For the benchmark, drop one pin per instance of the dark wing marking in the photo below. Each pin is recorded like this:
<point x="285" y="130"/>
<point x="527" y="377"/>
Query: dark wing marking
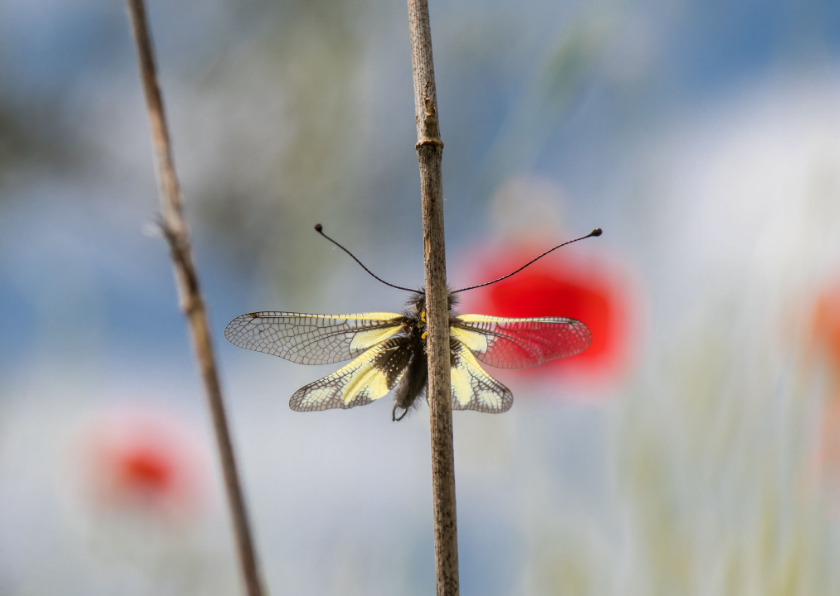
<point x="367" y="378"/>
<point x="520" y="343"/>
<point x="312" y="339"/>
<point x="473" y="388"/>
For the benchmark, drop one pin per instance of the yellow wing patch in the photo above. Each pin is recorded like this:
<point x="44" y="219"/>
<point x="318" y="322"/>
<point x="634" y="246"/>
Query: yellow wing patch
<point x="477" y="342"/>
<point x="359" y="316"/>
<point x="366" y="339"/>
<point x="364" y="380"/>
<point x="474" y="389"/>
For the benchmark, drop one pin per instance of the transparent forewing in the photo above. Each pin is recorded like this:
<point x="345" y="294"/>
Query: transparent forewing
<point x="520" y="343"/>
<point x="312" y="339"/>
<point x="367" y="378"/>
<point x="474" y="389"/>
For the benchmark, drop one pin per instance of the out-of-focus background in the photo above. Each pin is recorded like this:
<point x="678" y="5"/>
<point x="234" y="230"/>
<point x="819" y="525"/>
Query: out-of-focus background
<point x="692" y="450"/>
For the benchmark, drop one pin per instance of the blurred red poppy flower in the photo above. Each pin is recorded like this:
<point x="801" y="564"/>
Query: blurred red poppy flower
<point x="146" y="460"/>
<point x="825" y="328"/>
<point x="824" y="349"/>
<point x="574" y="282"/>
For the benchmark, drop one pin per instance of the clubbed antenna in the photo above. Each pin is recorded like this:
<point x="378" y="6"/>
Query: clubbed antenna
<point x="595" y="232"/>
<point x="320" y="229"/>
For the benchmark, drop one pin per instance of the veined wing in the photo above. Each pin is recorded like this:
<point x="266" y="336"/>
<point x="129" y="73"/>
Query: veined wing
<point x="520" y="343"/>
<point x="474" y="389"/>
<point x="312" y="339"/>
<point x="367" y="378"/>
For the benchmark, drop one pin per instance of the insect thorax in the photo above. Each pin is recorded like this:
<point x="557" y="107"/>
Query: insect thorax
<point x="416" y="305"/>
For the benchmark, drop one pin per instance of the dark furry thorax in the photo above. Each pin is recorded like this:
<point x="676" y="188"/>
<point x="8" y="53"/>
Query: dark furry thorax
<point x="415" y="380"/>
<point x="416" y="305"/>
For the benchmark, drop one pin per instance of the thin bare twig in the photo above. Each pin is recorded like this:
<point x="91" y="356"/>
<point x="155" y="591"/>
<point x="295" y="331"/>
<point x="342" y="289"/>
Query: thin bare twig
<point x="175" y="231"/>
<point x="429" y="150"/>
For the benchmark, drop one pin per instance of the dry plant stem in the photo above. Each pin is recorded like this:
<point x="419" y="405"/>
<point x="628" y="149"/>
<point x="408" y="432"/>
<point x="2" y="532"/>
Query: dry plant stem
<point x="175" y="231"/>
<point x="429" y="150"/>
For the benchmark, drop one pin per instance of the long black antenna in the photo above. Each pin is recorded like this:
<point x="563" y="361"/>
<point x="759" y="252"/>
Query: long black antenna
<point x="320" y="229"/>
<point x="595" y="232"/>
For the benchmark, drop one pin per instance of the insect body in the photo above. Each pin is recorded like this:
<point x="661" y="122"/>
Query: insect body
<point x="388" y="351"/>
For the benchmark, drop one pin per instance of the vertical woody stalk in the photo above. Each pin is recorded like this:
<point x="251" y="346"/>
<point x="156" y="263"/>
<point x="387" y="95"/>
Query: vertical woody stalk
<point x="429" y="149"/>
<point x="175" y="230"/>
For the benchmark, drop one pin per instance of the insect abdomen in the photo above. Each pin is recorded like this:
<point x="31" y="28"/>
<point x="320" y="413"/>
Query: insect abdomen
<point x="413" y="382"/>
